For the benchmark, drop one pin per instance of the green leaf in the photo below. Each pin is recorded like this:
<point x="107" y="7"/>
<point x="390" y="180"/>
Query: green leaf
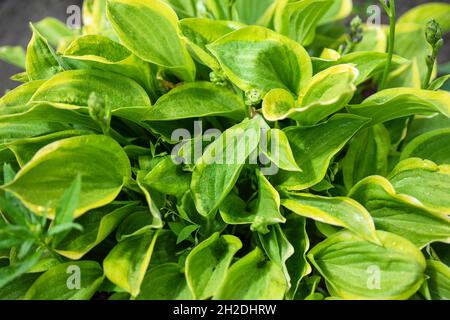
<point x="339" y="10"/>
<point x="438" y="281"/>
<point x="97" y="225"/>
<point x="337" y="211"/>
<point x="367" y="155"/>
<point x="433" y="145"/>
<point x="127" y="263"/>
<point x="165" y="282"/>
<point x="197" y="99"/>
<point x="199" y="32"/>
<point x="425" y="181"/>
<point x="326" y="93"/>
<point x="42" y="181"/>
<point x="149" y="30"/>
<point x="208" y="262"/>
<point x="357" y="269"/>
<point x="254" y="11"/>
<point x="278" y="104"/>
<point x="186" y="233"/>
<point x="67" y="281"/>
<point x="383" y="106"/>
<point x="74" y="88"/>
<point x="421" y="14"/>
<point x="25" y="149"/>
<point x="267" y="281"/>
<point x="314" y="147"/>
<point x="14" y="270"/>
<point x="21" y="95"/>
<point x="135" y="223"/>
<point x="368" y="63"/>
<point x="399" y="213"/>
<point x="100" y="52"/>
<point x="217" y="171"/>
<point x="439" y="82"/>
<point x="277" y="247"/>
<point x="280" y="152"/>
<point x="16" y="290"/>
<point x="42" y="61"/>
<point x="258" y="58"/>
<point x="150" y="198"/>
<point x="297" y="265"/>
<point x="299" y="19"/>
<point x="13" y="55"/>
<point x="54" y="30"/>
<point x="261" y="213"/>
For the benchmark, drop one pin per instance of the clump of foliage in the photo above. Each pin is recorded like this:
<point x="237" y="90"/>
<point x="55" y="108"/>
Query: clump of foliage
<point x="93" y="203"/>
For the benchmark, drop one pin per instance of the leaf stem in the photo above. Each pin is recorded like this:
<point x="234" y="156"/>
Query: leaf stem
<point x="392" y="20"/>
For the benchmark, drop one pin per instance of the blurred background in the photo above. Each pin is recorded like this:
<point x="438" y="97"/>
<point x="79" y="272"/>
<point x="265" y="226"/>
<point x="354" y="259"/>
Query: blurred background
<point x="15" y="15"/>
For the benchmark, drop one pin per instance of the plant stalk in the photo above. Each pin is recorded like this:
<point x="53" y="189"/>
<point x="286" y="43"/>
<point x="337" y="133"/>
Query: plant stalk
<point x="391" y="45"/>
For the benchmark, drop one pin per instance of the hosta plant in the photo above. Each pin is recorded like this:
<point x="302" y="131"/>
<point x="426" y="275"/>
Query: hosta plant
<point x="227" y="149"/>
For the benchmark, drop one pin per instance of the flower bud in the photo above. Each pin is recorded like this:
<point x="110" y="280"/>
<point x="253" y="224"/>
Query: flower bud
<point x="99" y="111"/>
<point x="433" y="33"/>
<point x="253" y="97"/>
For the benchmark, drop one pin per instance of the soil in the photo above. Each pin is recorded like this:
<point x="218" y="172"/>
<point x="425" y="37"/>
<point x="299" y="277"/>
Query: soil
<point x="14" y="30"/>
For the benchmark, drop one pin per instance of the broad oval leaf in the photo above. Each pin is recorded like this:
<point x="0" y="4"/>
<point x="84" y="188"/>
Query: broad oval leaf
<point x="258" y="58"/>
<point x="326" y="93"/>
<point x="314" y="147"/>
<point x="207" y="264"/>
<point x="383" y="106"/>
<point x="337" y="211"/>
<point x="127" y="263"/>
<point x="267" y="281"/>
<point x="357" y="269"/>
<point x="99" y="52"/>
<point x="97" y="225"/>
<point x="367" y="155"/>
<point x="21" y="95"/>
<point x="42" y="61"/>
<point x="197" y="99"/>
<point x="101" y="162"/>
<point x="74" y="88"/>
<point x="261" y="213"/>
<point x="199" y="32"/>
<point x="299" y="19"/>
<point x="425" y="181"/>
<point x="165" y="282"/>
<point x="399" y="213"/>
<point x="433" y="145"/>
<point x="67" y="281"/>
<point x="438" y="280"/>
<point x="149" y="30"/>
<point x="218" y="169"/>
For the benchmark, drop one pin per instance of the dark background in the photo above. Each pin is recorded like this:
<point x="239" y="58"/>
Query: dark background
<point x="15" y="15"/>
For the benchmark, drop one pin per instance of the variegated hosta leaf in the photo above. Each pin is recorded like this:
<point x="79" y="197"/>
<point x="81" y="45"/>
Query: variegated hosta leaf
<point x="258" y="58"/>
<point x="127" y="263"/>
<point x="262" y="212"/>
<point x="267" y="281"/>
<point x="338" y="211"/>
<point x="207" y="264"/>
<point x="101" y="162"/>
<point x="367" y="155"/>
<point x="21" y="95"/>
<point x="74" y="88"/>
<point x="433" y="145"/>
<point x="401" y="214"/>
<point x="149" y="30"/>
<point x="425" y="181"/>
<point x="100" y="52"/>
<point x="218" y="169"/>
<point x="298" y="19"/>
<point x="383" y="106"/>
<point x="438" y="281"/>
<point x="326" y="93"/>
<point x="199" y="32"/>
<point x="354" y="268"/>
<point x="314" y="147"/>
